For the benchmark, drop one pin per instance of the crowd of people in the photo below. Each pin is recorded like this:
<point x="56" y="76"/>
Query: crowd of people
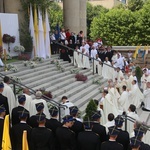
<point x="105" y="130"/>
<point x="45" y="132"/>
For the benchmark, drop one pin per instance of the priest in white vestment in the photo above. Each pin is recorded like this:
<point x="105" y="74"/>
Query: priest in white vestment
<point x="29" y="99"/>
<point x="123" y="101"/>
<point x="78" y="57"/>
<point x="107" y="70"/>
<point x="109" y="106"/>
<point x="129" y="81"/>
<point x="147" y="97"/>
<point x="119" y="62"/>
<point x="110" y="122"/>
<point x="120" y="84"/>
<point x="7" y="92"/>
<point x="115" y="95"/>
<point x="97" y="65"/>
<point x="135" y="95"/>
<point x="93" y="53"/>
<point x="38" y="99"/>
<point x="144" y="79"/>
<point x="85" y="59"/>
<point x="131" y="113"/>
<point x="119" y="74"/>
<point x="67" y="104"/>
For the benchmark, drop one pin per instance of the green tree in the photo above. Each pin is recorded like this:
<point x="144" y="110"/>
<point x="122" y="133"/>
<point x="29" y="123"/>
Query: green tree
<point x="92" y="12"/>
<point x="55" y="15"/>
<point x="142" y="24"/>
<point x="117" y="27"/>
<point x="135" y="5"/>
<point x="91" y="107"/>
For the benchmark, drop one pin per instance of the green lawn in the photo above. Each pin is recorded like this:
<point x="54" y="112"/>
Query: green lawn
<point x="14" y="59"/>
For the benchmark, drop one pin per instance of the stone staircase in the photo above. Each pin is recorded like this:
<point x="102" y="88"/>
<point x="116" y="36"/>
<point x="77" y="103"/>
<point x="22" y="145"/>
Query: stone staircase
<point x="64" y="83"/>
<point x="60" y="83"/>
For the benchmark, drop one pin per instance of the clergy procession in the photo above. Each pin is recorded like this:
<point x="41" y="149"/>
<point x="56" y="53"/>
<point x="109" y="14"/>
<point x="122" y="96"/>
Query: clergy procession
<point x="28" y="123"/>
<point x="106" y="131"/>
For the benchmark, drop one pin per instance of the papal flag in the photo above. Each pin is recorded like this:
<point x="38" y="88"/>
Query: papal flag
<point x="1" y="42"/>
<point x="41" y="43"/>
<point x="31" y="29"/>
<point x="136" y="52"/>
<point x="6" y="143"/>
<point x="24" y="141"/>
<point x="47" y="37"/>
<point x="36" y="31"/>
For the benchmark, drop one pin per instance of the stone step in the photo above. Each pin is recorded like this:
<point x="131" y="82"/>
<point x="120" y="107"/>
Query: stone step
<point x="72" y="91"/>
<point x="58" y="85"/>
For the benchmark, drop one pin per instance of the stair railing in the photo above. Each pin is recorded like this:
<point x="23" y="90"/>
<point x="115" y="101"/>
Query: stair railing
<point x="93" y="59"/>
<point x="50" y="100"/>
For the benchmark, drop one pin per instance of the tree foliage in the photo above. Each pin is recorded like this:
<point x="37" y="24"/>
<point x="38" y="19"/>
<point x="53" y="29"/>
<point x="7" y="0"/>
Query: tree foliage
<point x="122" y="26"/>
<point x="91" y="107"/>
<point x="135" y="5"/>
<point x="92" y="12"/>
<point x="55" y="15"/>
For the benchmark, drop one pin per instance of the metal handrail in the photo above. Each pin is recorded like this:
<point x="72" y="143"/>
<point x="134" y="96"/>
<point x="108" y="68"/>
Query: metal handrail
<point x="81" y="54"/>
<point x="126" y="117"/>
<point x="50" y="100"/>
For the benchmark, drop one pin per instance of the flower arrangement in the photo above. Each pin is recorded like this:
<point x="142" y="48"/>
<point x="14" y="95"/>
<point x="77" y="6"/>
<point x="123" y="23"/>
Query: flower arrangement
<point x="31" y="64"/>
<point x="17" y="79"/>
<point x="8" y="38"/>
<point x="40" y="59"/>
<point x="81" y="77"/>
<point x="11" y="67"/>
<point x="74" y="71"/>
<point x="19" y="48"/>
<point x="52" y="61"/>
<point x="96" y="81"/>
<point x="1" y="51"/>
<point x="8" y="57"/>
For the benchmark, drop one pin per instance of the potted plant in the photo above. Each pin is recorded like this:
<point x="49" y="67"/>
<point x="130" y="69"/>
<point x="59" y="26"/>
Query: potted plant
<point x="91" y="107"/>
<point x="19" y="49"/>
<point x="8" y="39"/>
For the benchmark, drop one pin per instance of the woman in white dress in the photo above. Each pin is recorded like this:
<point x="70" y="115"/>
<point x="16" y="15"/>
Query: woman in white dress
<point x="78" y="57"/>
<point x="85" y="59"/>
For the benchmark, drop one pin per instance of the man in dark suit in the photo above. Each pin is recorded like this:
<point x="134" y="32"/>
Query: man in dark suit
<point x="112" y="144"/>
<point x="41" y="137"/>
<point x="2" y="115"/>
<point x="123" y="136"/>
<point x="3" y="99"/>
<point x="88" y="140"/>
<point x="97" y="127"/>
<point x="66" y="137"/>
<point x="138" y="134"/>
<point x="33" y="119"/>
<point x="78" y="125"/>
<point x="15" y="114"/>
<point x="18" y="129"/>
<point x="53" y="123"/>
<point x="135" y="144"/>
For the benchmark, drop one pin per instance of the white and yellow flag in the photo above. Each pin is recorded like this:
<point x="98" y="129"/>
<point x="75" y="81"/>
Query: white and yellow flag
<point x="6" y="143"/>
<point x="25" y="141"/>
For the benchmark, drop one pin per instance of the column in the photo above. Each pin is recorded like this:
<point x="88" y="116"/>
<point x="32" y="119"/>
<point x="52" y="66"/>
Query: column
<point x="82" y="15"/>
<point x="71" y="11"/>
